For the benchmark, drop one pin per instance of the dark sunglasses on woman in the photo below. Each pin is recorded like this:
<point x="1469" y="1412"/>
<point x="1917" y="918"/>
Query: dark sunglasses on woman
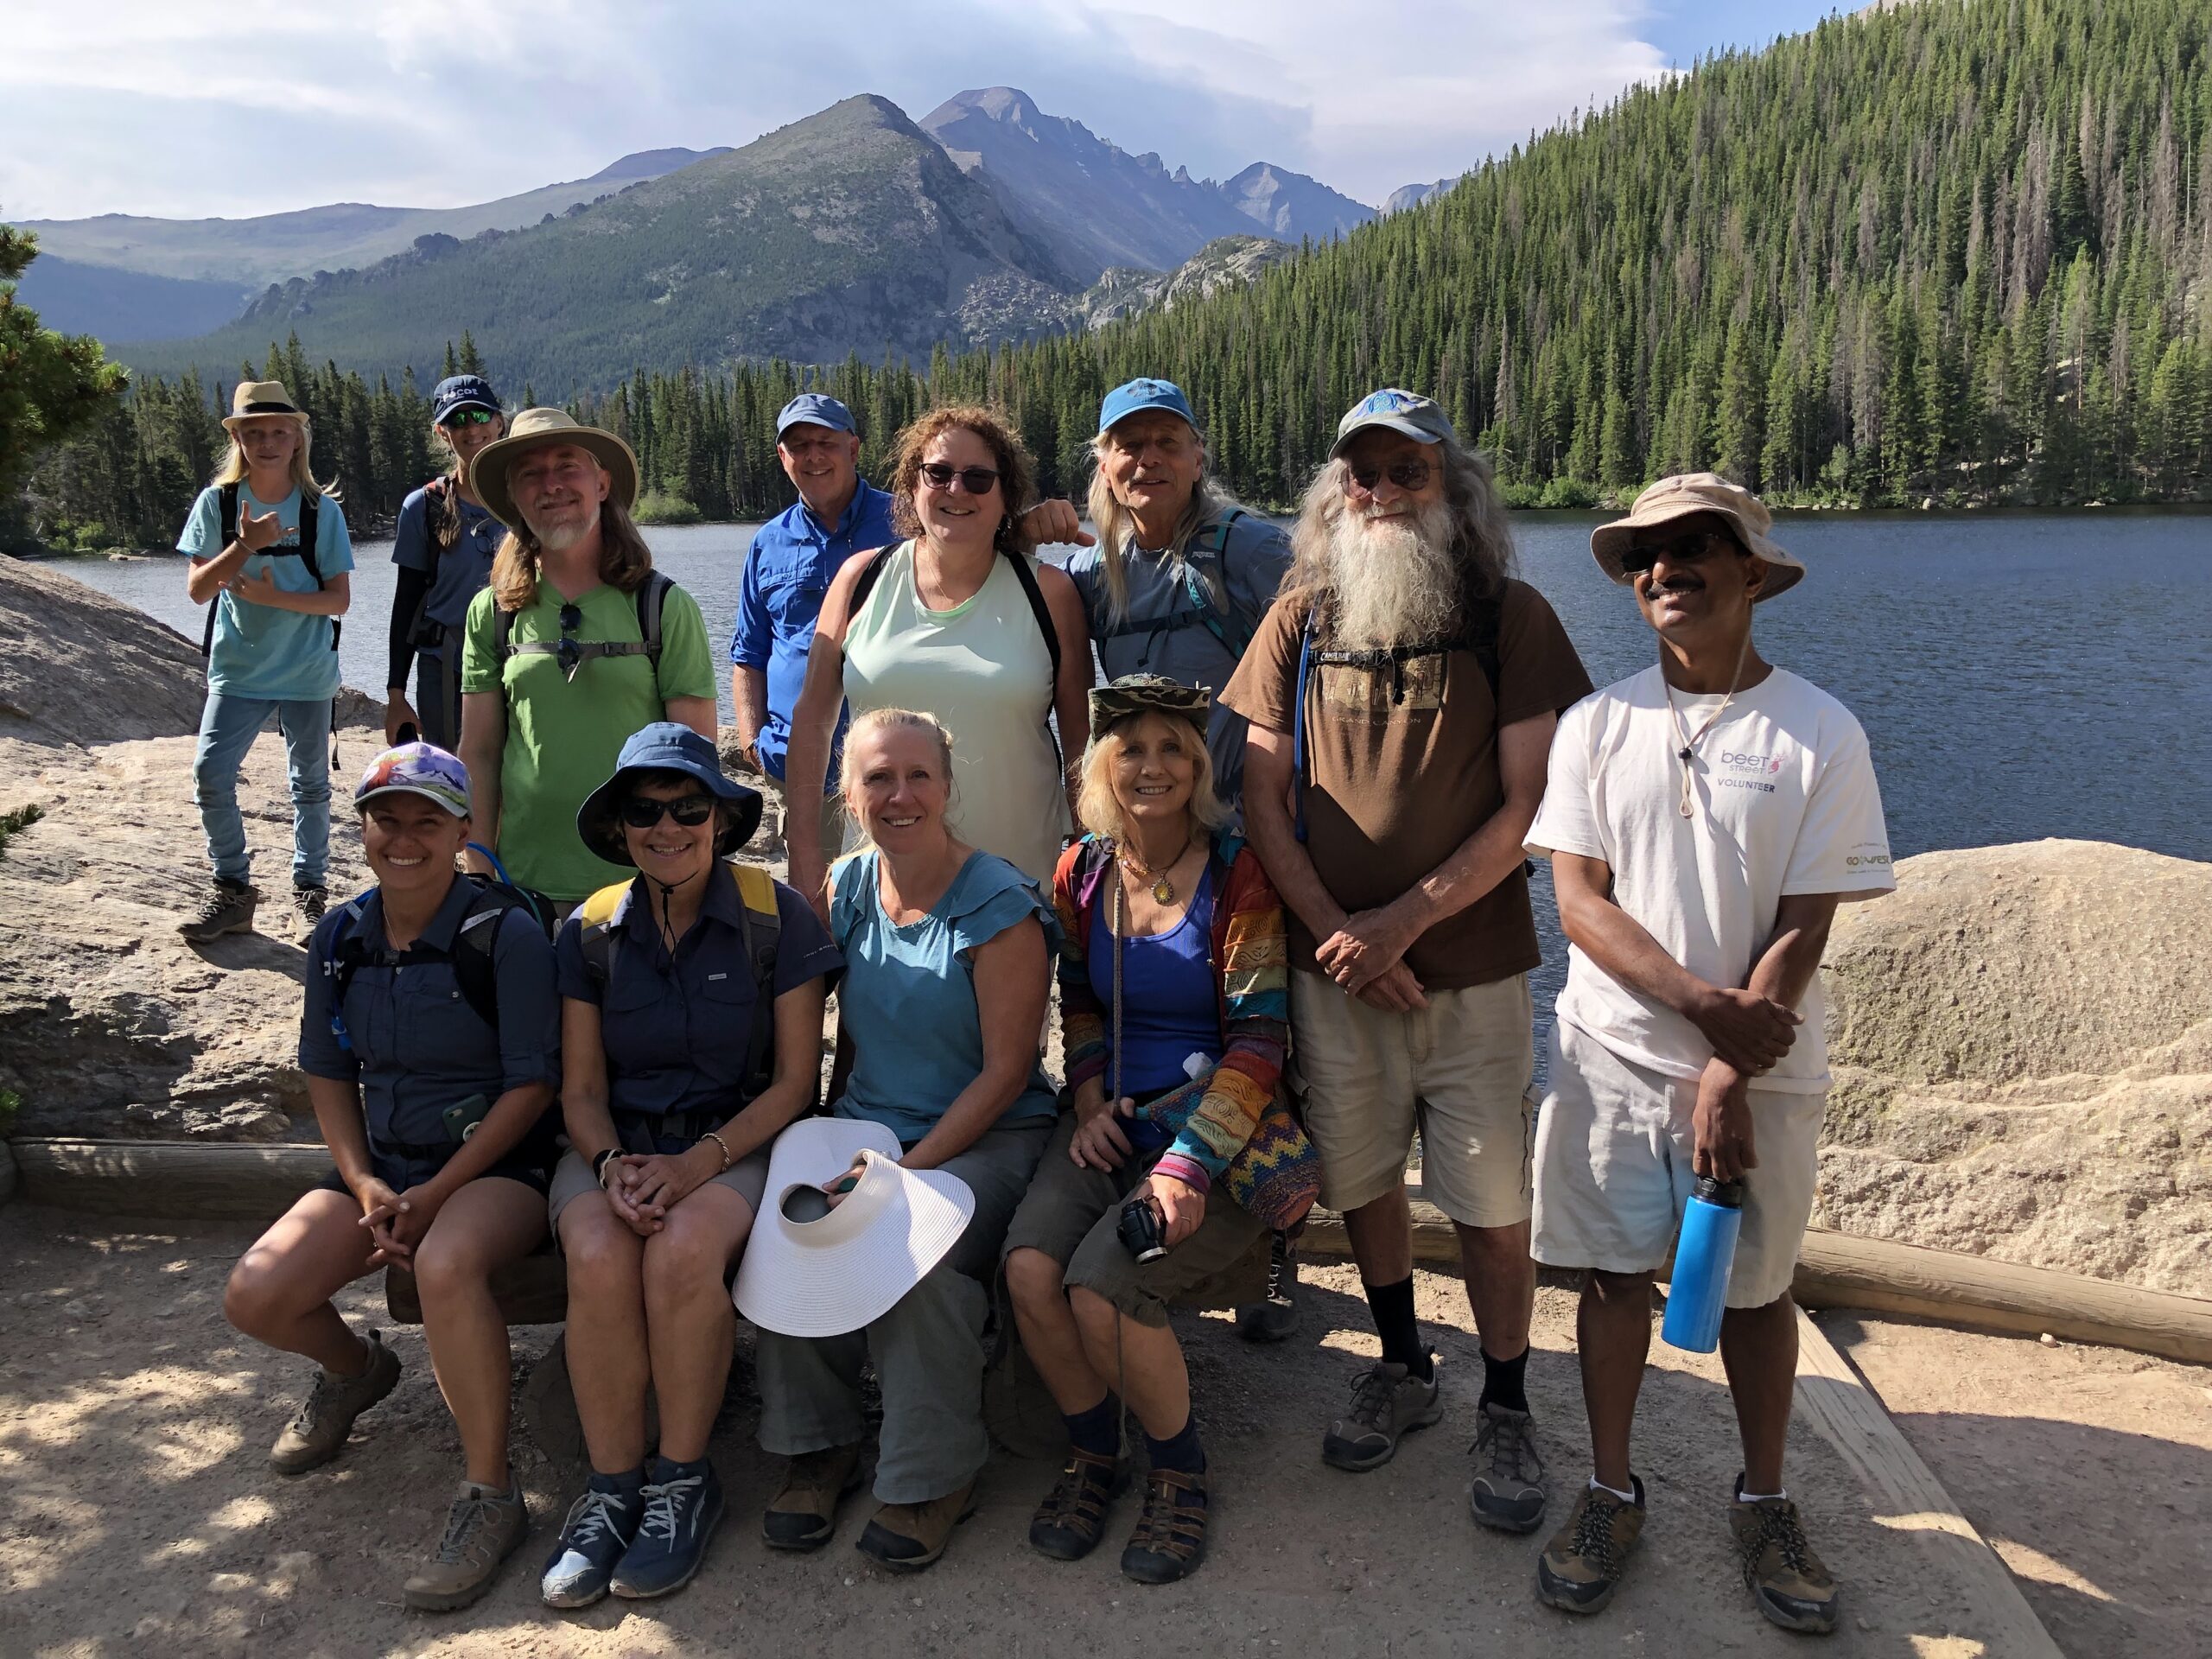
<point x="976" y="480"/>
<point x="1405" y="474"/>
<point x="642" y="811"/>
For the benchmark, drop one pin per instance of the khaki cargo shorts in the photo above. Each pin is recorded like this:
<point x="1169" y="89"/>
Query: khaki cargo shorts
<point x="1458" y="1070"/>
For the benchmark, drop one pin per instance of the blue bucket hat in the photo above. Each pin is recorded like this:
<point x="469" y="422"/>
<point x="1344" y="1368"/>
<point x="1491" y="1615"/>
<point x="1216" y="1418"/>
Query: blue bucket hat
<point x="1127" y="400"/>
<point x="459" y="391"/>
<point x="815" y="409"/>
<point x="1418" y="417"/>
<point x="666" y="747"/>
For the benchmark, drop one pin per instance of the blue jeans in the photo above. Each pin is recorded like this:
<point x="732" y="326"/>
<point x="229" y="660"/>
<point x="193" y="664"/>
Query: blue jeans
<point x="227" y="728"/>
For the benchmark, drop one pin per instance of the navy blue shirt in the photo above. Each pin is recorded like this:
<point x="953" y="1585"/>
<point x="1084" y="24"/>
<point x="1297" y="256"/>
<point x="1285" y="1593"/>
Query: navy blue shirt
<point x="418" y="1047"/>
<point x="678" y="1032"/>
<point x="464" y="568"/>
<point x="789" y="569"/>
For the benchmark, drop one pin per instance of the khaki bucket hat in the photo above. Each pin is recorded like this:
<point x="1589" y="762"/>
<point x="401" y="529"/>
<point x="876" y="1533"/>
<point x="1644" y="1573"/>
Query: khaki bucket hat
<point x="487" y="473"/>
<point x="253" y="399"/>
<point x="1693" y="492"/>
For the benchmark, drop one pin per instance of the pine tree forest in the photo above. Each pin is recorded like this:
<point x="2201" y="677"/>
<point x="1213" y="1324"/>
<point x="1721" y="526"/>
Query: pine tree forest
<point x="1957" y="252"/>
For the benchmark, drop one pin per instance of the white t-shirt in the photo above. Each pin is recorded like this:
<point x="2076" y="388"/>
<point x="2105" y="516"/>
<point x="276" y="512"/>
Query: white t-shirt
<point x="1784" y="802"/>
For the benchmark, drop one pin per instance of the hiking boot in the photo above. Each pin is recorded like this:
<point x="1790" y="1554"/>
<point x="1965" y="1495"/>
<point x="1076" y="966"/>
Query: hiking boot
<point x="910" y="1537"/>
<point x="1170" y="1536"/>
<point x="1273" y="1319"/>
<point x="680" y="1514"/>
<point x="602" y="1525"/>
<point x="1508" y="1491"/>
<point x="1787" y="1579"/>
<point x="1387" y="1401"/>
<point x="318" y="1430"/>
<point x="227" y="909"/>
<point x="1068" y="1523"/>
<point x="805" y="1513"/>
<point x="1582" y="1566"/>
<point x="482" y="1529"/>
<point x="308" y="903"/>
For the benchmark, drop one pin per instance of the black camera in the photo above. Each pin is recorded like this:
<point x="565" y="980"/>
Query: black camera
<point x="1140" y="1231"/>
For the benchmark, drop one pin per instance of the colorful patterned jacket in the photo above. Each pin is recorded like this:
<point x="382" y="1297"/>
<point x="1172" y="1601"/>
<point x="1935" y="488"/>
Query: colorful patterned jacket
<point x="1250" y="957"/>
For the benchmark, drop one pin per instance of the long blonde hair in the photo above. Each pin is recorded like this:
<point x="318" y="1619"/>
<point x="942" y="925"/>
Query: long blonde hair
<point x="875" y="719"/>
<point x="1116" y="525"/>
<point x="1100" y="809"/>
<point x="234" y="470"/>
<point x="624" y="560"/>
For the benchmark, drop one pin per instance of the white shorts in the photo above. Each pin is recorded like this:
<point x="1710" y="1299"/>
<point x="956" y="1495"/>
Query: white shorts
<point x="1614" y="1170"/>
<point x="1458" y="1069"/>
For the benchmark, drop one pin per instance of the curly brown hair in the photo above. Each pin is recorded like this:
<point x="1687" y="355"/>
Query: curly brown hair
<point x="1017" y="473"/>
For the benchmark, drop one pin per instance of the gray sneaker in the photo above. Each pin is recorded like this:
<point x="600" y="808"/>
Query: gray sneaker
<point x="228" y="908"/>
<point x="318" y="1431"/>
<point x="1387" y="1401"/>
<point x="309" y="904"/>
<point x="482" y="1529"/>
<point x="1508" y="1491"/>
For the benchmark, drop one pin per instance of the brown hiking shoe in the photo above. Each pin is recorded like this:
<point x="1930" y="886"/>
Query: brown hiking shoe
<point x="228" y="908"/>
<point x="1508" y="1490"/>
<point x="482" y="1529"/>
<point x="1582" y="1566"/>
<point x="910" y="1537"/>
<point x="1787" y="1580"/>
<point x="317" y="1433"/>
<point x="805" y="1513"/>
<point x="1387" y="1401"/>
<point x="1067" y="1525"/>
<point x="1170" y="1536"/>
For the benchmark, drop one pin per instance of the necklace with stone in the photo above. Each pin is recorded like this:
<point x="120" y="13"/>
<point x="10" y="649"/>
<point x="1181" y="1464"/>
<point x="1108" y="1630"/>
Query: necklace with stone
<point x="1687" y="753"/>
<point x="1163" y="890"/>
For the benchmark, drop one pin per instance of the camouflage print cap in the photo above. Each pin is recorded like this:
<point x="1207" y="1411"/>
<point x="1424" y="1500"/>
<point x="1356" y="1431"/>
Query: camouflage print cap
<point x="1148" y="694"/>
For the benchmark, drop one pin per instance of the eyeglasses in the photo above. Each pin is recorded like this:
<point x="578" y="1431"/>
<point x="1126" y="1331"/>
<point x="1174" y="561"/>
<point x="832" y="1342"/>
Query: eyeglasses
<point x="1690" y="547"/>
<point x="976" y="480"/>
<point x="1405" y="474"/>
<point x="469" y="418"/>
<point x="642" y="811"/>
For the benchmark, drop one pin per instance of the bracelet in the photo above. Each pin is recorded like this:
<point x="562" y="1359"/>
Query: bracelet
<point x="724" y="1145"/>
<point x="599" y="1166"/>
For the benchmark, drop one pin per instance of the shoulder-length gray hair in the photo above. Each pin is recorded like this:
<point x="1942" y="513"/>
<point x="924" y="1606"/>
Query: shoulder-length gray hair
<point x="1116" y="525"/>
<point x="1481" y="534"/>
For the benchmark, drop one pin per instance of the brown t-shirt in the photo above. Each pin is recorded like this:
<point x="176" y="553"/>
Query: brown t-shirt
<point x="1401" y="766"/>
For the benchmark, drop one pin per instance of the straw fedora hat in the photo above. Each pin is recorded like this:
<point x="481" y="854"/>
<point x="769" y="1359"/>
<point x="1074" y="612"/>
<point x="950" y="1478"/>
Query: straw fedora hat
<point x="252" y="399"/>
<point x="1692" y="492"/>
<point x="812" y="1272"/>
<point x="487" y="473"/>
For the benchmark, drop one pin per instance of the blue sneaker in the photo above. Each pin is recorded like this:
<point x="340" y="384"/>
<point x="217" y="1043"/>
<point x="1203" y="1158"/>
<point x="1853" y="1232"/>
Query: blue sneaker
<point x="600" y="1525"/>
<point x="682" y="1507"/>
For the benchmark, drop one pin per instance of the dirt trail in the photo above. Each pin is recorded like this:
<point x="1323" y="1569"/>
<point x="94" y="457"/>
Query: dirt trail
<point x="137" y="1515"/>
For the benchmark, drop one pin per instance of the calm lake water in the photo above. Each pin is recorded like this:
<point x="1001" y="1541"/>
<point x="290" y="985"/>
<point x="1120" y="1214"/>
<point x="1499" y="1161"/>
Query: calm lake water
<point x="2019" y="676"/>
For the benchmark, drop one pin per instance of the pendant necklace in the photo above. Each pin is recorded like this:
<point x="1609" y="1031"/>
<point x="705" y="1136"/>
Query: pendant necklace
<point x="1163" y="890"/>
<point x="1688" y="752"/>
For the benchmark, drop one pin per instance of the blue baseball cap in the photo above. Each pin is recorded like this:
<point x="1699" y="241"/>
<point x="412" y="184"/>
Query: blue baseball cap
<point x="1418" y="417"/>
<point x="1126" y="400"/>
<point x="458" y="391"/>
<point x="815" y="409"/>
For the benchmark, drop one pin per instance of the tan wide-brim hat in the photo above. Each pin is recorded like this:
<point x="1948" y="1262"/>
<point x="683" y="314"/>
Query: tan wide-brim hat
<point x="1684" y="495"/>
<point x="487" y="473"/>
<point x="251" y="400"/>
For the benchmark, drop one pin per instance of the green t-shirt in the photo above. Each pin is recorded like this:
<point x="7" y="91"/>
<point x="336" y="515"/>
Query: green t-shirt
<point x="563" y="735"/>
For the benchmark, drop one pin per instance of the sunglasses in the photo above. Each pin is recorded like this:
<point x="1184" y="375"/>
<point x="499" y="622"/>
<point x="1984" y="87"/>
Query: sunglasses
<point x="976" y="480"/>
<point x="469" y="418"/>
<point x="1691" y="547"/>
<point x="570" y="653"/>
<point x="1405" y="474"/>
<point x="642" y="811"/>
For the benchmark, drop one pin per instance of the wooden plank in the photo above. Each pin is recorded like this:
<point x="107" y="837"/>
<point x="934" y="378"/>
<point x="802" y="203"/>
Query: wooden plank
<point x="1907" y="1497"/>
<point x="227" y="1181"/>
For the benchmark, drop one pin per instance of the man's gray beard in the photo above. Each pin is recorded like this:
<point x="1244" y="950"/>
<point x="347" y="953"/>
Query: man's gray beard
<point x="559" y="537"/>
<point x="1392" y="581"/>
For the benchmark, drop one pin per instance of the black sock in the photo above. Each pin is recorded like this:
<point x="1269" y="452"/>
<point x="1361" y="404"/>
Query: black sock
<point x="1393" y="1308"/>
<point x="626" y="1483"/>
<point x="669" y="1469"/>
<point x="1098" y="1431"/>
<point x="1505" y="1381"/>
<point x="1182" y="1453"/>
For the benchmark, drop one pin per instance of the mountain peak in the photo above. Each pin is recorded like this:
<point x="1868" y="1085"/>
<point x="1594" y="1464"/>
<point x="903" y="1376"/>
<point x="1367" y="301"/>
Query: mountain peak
<point x="650" y="164"/>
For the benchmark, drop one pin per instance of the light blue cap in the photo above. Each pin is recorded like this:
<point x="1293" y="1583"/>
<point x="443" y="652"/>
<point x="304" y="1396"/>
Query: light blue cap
<point x="1126" y="400"/>
<point x="815" y="409"/>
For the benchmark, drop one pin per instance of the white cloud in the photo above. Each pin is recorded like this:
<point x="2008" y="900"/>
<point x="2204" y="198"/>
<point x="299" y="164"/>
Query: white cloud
<point x="177" y="107"/>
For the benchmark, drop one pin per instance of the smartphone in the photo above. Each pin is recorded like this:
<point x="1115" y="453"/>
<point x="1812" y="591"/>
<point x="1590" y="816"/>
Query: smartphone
<point x="464" y="1120"/>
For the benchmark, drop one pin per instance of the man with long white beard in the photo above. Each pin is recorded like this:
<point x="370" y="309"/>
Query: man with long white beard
<point x="1401" y="693"/>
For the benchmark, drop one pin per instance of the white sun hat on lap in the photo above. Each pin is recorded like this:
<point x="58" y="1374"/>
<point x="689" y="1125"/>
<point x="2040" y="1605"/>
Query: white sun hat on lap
<point x="810" y="1273"/>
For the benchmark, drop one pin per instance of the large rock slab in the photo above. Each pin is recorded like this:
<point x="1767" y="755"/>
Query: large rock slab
<point x="2022" y="1038"/>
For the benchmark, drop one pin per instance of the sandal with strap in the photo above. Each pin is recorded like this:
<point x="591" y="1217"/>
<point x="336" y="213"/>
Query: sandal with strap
<point x="1068" y="1523"/>
<point x="1170" y="1536"/>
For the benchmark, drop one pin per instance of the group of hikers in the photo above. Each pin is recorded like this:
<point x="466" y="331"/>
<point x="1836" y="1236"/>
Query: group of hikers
<point x="1276" y="865"/>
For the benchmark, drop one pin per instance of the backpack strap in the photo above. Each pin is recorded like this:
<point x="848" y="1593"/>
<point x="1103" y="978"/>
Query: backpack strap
<point x="1026" y="574"/>
<point x="227" y="496"/>
<point x="600" y="932"/>
<point x="346" y="959"/>
<point x="870" y="572"/>
<point x="762" y="923"/>
<point x="651" y="599"/>
<point x="1297" y="727"/>
<point x="1206" y="578"/>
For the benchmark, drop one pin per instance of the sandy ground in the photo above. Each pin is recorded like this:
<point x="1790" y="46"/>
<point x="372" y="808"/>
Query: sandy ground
<point x="137" y="1515"/>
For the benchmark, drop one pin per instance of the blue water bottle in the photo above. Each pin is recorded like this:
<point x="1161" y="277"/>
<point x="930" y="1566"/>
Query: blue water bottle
<point x="1698" y="1293"/>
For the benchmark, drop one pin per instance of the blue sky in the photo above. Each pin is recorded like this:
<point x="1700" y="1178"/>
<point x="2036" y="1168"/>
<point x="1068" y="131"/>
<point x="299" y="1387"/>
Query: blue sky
<point x="179" y="109"/>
